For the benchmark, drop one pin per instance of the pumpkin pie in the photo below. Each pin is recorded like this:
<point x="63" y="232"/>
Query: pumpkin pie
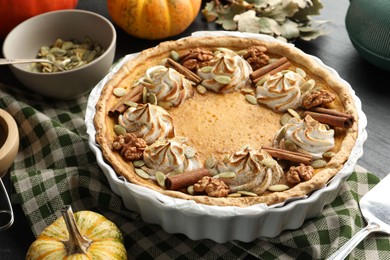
<point x="226" y="121"/>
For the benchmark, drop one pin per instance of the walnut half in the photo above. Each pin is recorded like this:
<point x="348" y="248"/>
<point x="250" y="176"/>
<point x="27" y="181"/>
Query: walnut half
<point x="297" y="174"/>
<point x="131" y="147"/>
<point x="212" y="186"/>
<point x="256" y="56"/>
<point x="317" y="98"/>
<point x="196" y="58"/>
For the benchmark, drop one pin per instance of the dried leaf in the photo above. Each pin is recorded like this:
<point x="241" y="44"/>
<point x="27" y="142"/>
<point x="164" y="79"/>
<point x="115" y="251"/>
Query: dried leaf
<point x="269" y="26"/>
<point x="305" y="13"/>
<point x="209" y="12"/>
<point x="248" y="22"/>
<point x="308" y="36"/>
<point x="290" y="30"/>
<point x="282" y="19"/>
<point x="303" y="3"/>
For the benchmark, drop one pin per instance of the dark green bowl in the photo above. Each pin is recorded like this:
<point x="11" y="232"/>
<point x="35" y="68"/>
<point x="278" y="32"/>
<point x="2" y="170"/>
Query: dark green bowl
<point x="368" y="26"/>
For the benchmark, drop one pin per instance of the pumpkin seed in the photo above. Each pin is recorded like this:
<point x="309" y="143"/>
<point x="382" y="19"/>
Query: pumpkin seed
<point x="119" y="92"/>
<point x="189" y="152"/>
<point x="280" y="134"/>
<point x="247" y="90"/>
<point x="226" y="175"/>
<point x="278" y="187"/>
<point x="210" y="162"/>
<point x="328" y="155"/>
<point x="226" y="158"/>
<point x="293" y="113"/>
<point x="285" y="118"/>
<point x="74" y="58"/>
<point x="165" y="105"/>
<point x="152" y="98"/>
<point x="141" y="173"/>
<point x="242" y="52"/>
<point x="247" y="193"/>
<point x="251" y="99"/>
<point x="66" y="45"/>
<point x="174" y="55"/>
<point x="62" y="51"/>
<point x="58" y="51"/>
<point x="44" y="50"/>
<point x="201" y="89"/>
<point x="90" y="56"/>
<point x="268" y="162"/>
<point x="319" y="163"/>
<point x="138" y="163"/>
<point x="130" y="103"/>
<point x="263" y="80"/>
<point x="300" y="72"/>
<point x="213" y="171"/>
<point x="206" y="69"/>
<point x="147" y="81"/>
<point x="149" y="171"/>
<point x="144" y="95"/>
<point x="119" y="130"/>
<point x="234" y="195"/>
<point x="160" y="177"/>
<point x="222" y="79"/>
<point x="290" y="146"/>
<point x="308" y="85"/>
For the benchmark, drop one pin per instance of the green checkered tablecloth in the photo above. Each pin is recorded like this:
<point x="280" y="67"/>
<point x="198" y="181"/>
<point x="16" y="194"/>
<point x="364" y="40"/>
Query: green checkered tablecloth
<point x="55" y="166"/>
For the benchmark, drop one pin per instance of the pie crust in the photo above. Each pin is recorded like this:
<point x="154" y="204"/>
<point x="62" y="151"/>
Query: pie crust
<point x="134" y="69"/>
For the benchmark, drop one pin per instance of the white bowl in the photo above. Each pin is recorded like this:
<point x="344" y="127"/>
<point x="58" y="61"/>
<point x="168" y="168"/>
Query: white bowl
<point x="25" y="40"/>
<point x="223" y="224"/>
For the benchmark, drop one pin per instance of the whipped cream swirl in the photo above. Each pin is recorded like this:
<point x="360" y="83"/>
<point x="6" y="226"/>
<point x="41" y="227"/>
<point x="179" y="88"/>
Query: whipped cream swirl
<point x="281" y="91"/>
<point x="255" y="170"/>
<point x="171" y="155"/>
<point x="226" y="72"/>
<point x="307" y="134"/>
<point x="147" y="121"/>
<point x="167" y="84"/>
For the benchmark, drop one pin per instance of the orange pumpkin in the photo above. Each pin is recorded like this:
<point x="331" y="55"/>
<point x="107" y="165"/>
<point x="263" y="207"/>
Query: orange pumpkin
<point x="13" y="12"/>
<point x="153" y="19"/>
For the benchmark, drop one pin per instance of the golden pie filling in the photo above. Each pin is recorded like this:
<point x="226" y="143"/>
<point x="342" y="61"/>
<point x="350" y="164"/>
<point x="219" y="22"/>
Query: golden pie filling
<point x="226" y="121"/>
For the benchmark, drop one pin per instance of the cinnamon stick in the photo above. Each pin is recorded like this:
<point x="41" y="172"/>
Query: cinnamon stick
<point x="331" y="117"/>
<point x="330" y="112"/>
<point x="289" y="155"/>
<point x="185" y="179"/>
<point x="183" y="70"/>
<point x="257" y="74"/>
<point x="135" y="94"/>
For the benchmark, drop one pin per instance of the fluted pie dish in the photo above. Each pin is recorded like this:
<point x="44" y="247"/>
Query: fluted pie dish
<point x="227" y="127"/>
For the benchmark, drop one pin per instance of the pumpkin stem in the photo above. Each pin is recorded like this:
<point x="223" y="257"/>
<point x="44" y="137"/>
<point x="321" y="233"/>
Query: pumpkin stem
<point x="77" y="243"/>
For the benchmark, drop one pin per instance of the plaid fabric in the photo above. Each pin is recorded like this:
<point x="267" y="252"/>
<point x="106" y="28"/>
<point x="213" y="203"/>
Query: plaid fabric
<point x="55" y="166"/>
